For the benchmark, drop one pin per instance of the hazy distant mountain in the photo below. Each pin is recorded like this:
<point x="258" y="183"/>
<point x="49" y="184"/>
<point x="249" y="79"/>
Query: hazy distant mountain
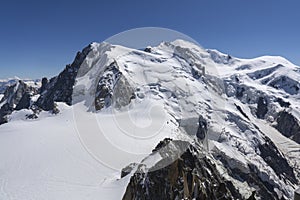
<point x="4" y="83"/>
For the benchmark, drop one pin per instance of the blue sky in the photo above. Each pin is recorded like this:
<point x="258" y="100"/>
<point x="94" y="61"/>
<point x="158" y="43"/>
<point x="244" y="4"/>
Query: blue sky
<point x="38" y="38"/>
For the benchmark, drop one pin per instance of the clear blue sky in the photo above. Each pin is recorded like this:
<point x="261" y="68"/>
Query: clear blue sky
<point x="40" y="37"/>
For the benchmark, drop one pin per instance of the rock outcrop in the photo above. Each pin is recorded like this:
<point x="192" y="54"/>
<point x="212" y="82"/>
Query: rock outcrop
<point x="57" y="89"/>
<point x="194" y="174"/>
<point x="288" y="125"/>
<point x="60" y="88"/>
<point x="113" y="89"/>
<point x="262" y="108"/>
<point x="276" y="161"/>
<point x="16" y="97"/>
<point x="191" y="176"/>
<point x="202" y="128"/>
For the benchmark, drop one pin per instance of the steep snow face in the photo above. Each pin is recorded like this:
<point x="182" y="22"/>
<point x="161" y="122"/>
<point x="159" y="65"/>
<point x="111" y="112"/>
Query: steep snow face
<point x="140" y="97"/>
<point x="125" y="101"/>
<point x="188" y="81"/>
<point x="258" y="92"/>
<point x="171" y="73"/>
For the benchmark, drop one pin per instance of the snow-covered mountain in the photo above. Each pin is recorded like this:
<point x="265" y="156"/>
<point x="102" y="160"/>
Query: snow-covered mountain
<point x="4" y="83"/>
<point x="171" y="122"/>
<point x="18" y="94"/>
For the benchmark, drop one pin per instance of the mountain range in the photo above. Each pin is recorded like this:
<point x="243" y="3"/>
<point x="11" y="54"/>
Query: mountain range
<point x="174" y="121"/>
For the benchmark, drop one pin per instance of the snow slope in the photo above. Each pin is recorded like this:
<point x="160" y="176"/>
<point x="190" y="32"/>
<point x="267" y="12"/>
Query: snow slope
<point x="44" y="159"/>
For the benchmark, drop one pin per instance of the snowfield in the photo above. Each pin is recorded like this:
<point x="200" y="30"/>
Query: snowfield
<point x="80" y="152"/>
<point x="44" y="159"/>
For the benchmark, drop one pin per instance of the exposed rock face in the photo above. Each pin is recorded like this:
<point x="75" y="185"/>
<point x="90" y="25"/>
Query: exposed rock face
<point x="194" y="174"/>
<point x="113" y="89"/>
<point x="283" y="103"/>
<point x="4" y="111"/>
<point x="105" y="87"/>
<point x="240" y="92"/>
<point x="252" y="178"/>
<point x="255" y="177"/>
<point x="258" y="74"/>
<point x="262" y="108"/>
<point x="16" y="97"/>
<point x="285" y="83"/>
<point x="126" y="170"/>
<point x="202" y="128"/>
<point x="288" y="125"/>
<point x="197" y="71"/>
<point x="241" y="111"/>
<point x="148" y="49"/>
<point x="264" y="105"/>
<point x="274" y="159"/>
<point x="44" y="84"/>
<point x="4" y="84"/>
<point x="60" y="88"/>
<point x="191" y="176"/>
<point x="24" y="102"/>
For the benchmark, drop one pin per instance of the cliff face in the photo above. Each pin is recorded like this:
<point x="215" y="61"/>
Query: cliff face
<point x="289" y="126"/>
<point x="191" y="176"/>
<point x="195" y="174"/>
<point x="16" y="97"/>
<point x="60" y="88"/>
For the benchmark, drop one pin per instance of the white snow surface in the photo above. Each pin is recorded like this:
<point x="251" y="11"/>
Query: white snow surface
<point x="44" y="159"/>
<point x="64" y="157"/>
